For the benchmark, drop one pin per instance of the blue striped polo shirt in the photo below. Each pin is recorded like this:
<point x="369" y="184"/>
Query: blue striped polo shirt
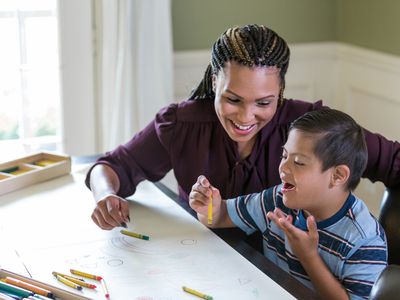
<point x="351" y="243"/>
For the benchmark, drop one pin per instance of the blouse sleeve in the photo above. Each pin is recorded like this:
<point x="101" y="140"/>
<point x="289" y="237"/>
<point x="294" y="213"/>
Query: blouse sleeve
<point x="146" y="156"/>
<point x="383" y="159"/>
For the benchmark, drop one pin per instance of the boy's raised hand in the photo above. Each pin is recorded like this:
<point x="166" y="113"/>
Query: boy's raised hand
<point x="200" y="197"/>
<point x="304" y="244"/>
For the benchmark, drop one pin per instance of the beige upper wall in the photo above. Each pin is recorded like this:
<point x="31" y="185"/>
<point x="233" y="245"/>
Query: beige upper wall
<point x="367" y="23"/>
<point x="370" y="23"/>
<point x="198" y="23"/>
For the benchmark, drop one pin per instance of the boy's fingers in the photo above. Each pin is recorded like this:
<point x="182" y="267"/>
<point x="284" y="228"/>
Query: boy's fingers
<point x="312" y="226"/>
<point x="279" y="213"/>
<point x="203" y="181"/>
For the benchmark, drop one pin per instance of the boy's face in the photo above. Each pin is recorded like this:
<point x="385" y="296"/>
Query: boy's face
<point x="304" y="183"/>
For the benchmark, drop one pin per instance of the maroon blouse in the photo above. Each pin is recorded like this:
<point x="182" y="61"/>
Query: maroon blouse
<point x="188" y="138"/>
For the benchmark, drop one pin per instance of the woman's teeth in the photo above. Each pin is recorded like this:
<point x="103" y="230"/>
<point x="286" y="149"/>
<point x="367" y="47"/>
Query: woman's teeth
<point x="242" y="127"/>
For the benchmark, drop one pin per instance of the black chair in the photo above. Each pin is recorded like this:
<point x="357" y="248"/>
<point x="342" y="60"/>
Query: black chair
<point x="387" y="285"/>
<point x="389" y="217"/>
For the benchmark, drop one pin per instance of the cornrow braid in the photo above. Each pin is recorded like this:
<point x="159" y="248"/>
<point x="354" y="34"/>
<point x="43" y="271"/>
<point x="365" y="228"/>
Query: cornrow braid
<point x="250" y="45"/>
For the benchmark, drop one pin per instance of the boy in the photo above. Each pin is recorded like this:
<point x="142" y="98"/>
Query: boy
<point x="312" y="225"/>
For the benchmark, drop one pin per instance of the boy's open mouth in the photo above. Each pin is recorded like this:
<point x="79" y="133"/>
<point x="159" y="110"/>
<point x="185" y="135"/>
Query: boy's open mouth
<point x="287" y="187"/>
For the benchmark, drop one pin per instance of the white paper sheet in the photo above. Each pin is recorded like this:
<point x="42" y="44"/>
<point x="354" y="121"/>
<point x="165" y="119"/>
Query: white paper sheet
<point x="50" y="226"/>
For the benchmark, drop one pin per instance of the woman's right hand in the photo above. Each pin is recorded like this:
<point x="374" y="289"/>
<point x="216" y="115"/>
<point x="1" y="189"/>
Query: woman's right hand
<point x="111" y="211"/>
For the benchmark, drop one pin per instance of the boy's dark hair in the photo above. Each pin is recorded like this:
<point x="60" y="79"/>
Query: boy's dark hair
<point x="341" y="141"/>
<point x="249" y="45"/>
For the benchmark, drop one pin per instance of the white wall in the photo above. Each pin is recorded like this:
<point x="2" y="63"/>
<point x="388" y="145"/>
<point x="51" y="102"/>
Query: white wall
<point x="361" y="82"/>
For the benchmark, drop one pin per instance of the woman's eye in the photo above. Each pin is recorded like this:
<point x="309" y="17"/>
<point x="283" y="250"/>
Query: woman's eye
<point x="298" y="163"/>
<point x="233" y="100"/>
<point x="263" y="103"/>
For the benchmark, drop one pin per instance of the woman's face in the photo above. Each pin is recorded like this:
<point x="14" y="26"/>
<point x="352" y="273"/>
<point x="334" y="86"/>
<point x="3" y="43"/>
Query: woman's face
<point x="246" y="100"/>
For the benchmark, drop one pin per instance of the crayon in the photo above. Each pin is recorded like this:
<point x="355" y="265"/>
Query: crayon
<point x="135" y="235"/>
<point x="9" y="288"/>
<point x="29" y="287"/>
<point x="196" y="293"/>
<point x="210" y="209"/>
<point x="36" y="296"/>
<point x="64" y="275"/>
<point x="20" y="171"/>
<point x="9" y="170"/>
<point x="68" y="283"/>
<point x="44" y="162"/>
<point x="86" y="275"/>
<point x="105" y="289"/>
<point x="79" y="282"/>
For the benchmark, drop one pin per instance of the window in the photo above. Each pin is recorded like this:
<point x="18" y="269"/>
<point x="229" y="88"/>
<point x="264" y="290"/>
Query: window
<point x="29" y="77"/>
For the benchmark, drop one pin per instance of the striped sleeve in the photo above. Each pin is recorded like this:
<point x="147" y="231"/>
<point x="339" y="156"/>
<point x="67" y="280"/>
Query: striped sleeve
<point x="363" y="266"/>
<point x="249" y="212"/>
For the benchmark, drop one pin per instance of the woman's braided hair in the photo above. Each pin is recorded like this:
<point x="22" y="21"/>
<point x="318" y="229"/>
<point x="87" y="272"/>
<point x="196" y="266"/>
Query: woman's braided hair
<point x="250" y="45"/>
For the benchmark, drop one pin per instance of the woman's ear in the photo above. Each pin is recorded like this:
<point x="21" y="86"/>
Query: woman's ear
<point x="340" y="175"/>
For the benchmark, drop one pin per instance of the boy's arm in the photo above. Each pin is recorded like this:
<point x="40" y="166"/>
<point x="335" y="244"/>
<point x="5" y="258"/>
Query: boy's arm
<point x="326" y="285"/>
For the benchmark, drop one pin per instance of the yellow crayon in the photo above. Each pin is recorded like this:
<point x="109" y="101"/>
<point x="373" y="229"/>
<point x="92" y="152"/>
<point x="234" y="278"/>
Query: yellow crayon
<point x="44" y="162"/>
<point x="78" y="281"/>
<point x="68" y="282"/>
<point x="196" y="293"/>
<point x="134" y="234"/>
<point x="86" y="275"/>
<point x="210" y="209"/>
<point x="65" y="275"/>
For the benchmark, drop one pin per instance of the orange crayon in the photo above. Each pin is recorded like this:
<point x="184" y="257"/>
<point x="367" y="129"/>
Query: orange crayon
<point x="29" y="287"/>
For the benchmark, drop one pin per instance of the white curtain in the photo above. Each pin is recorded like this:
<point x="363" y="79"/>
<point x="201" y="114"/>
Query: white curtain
<point x="134" y="66"/>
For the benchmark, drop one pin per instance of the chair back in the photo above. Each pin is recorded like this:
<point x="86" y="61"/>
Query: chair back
<point x="389" y="217"/>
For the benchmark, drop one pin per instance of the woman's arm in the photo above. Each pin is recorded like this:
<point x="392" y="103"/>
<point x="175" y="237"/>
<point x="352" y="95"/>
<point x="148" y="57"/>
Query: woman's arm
<point x="110" y="211"/>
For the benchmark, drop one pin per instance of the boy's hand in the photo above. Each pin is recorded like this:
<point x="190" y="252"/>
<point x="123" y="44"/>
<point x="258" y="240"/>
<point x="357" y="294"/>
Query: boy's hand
<point x="304" y="244"/>
<point x="200" y="197"/>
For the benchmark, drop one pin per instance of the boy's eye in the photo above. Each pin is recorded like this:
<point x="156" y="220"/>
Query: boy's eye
<point x="298" y="163"/>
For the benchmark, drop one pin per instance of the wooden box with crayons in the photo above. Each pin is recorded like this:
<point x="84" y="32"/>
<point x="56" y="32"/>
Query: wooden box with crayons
<point x="32" y="169"/>
<point x="37" y="290"/>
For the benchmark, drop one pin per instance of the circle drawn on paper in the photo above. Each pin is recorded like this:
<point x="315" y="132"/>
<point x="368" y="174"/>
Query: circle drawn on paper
<point x="139" y="246"/>
<point x="188" y="242"/>
<point x="115" y="262"/>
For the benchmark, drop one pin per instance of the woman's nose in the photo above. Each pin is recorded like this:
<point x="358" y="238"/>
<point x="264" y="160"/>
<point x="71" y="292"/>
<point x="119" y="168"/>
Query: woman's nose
<point x="246" y="115"/>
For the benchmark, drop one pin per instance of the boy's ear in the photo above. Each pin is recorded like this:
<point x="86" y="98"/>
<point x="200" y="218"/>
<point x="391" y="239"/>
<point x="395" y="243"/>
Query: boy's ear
<point x="340" y="175"/>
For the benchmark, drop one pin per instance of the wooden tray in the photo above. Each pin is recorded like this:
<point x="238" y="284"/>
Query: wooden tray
<point x="57" y="292"/>
<point x="25" y="171"/>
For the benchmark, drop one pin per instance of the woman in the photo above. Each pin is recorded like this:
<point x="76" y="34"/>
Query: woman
<point x="231" y="129"/>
